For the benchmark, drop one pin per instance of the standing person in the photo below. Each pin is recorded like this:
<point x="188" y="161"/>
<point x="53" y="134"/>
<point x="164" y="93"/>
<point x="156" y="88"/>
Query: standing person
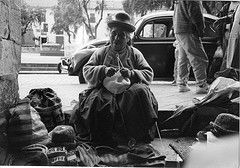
<point x="104" y="116"/>
<point x="230" y="62"/>
<point x="227" y="19"/>
<point x="188" y="25"/>
<point x="233" y="42"/>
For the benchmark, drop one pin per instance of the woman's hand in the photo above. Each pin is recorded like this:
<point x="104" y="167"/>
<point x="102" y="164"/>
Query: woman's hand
<point x="126" y="73"/>
<point x="110" y="71"/>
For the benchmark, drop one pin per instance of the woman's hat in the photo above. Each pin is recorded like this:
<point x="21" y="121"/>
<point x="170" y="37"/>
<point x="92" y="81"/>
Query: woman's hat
<point x="122" y="20"/>
<point x="226" y="123"/>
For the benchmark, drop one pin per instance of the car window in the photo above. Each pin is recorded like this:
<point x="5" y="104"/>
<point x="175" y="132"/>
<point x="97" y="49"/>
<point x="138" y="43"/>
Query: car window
<point x="157" y="28"/>
<point x="154" y="30"/>
<point x="160" y="31"/>
<point x="147" y="30"/>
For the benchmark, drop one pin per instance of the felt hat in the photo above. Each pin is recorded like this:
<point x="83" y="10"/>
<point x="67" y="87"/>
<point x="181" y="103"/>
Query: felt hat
<point x="122" y="20"/>
<point x="226" y="123"/>
<point x="63" y="135"/>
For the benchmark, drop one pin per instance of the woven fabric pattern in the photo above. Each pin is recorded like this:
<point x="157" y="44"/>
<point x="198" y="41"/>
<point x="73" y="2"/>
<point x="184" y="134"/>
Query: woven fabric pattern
<point x="48" y="105"/>
<point x="25" y="126"/>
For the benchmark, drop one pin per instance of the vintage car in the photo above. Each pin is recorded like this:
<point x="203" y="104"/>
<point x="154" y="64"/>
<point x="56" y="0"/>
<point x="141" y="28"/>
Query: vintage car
<point x="154" y="37"/>
<point x="73" y="63"/>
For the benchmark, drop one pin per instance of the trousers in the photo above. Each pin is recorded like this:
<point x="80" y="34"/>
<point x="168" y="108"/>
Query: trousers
<point x="191" y="51"/>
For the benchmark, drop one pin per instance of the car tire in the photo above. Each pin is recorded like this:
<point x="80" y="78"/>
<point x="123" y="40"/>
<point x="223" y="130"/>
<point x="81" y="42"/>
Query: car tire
<point x="80" y="77"/>
<point x="59" y="68"/>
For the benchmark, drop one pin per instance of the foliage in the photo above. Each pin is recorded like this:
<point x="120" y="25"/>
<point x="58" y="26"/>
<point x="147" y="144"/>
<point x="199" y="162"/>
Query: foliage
<point x="71" y="14"/>
<point x="29" y="16"/>
<point x="98" y="8"/>
<point x="214" y="7"/>
<point x="67" y="14"/>
<point x="143" y="6"/>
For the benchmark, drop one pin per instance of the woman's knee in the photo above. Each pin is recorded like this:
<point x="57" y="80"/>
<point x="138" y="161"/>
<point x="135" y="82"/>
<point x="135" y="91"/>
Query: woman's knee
<point x="137" y="88"/>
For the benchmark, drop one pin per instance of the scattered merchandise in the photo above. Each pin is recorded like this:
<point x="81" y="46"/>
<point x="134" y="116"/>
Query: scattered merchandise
<point x="25" y="126"/>
<point x="48" y="105"/>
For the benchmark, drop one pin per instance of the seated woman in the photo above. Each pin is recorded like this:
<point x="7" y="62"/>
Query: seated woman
<point x="110" y="119"/>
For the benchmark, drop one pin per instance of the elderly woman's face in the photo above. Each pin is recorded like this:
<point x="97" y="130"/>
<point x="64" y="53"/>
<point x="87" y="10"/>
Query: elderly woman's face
<point x="118" y="38"/>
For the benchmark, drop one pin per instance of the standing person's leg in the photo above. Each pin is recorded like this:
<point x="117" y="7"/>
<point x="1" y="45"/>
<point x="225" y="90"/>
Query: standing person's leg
<point x="183" y="66"/>
<point x="198" y="59"/>
<point x="175" y="70"/>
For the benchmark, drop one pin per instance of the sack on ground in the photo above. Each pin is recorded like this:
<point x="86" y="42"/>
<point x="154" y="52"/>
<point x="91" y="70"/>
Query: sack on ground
<point x="32" y="155"/>
<point x="48" y="105"/>
<point x="25" y="126"/>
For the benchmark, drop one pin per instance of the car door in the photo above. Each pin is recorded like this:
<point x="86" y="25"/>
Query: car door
<point x="154" y="39"/>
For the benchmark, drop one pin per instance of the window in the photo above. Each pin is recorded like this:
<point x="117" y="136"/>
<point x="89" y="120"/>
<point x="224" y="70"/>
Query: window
<point x="59" y="32"/>
<point x="154" y="30"/>
<point x="147" y="30"/>
<point x="45" y="27"/>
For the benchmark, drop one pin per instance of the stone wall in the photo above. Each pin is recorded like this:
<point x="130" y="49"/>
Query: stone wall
<point x="10" y="57"/>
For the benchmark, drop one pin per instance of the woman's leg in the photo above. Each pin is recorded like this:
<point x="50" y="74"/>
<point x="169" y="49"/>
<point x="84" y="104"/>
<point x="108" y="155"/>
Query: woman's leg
<point x="139" y="108"/>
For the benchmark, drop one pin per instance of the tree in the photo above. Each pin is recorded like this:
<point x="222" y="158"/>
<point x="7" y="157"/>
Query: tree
<point x="70" y="14"/>
<point x="67" y="16"/>
<point x="29" y="16"/>
<point x="143" y="6"/>
<point x="98" y="8"/>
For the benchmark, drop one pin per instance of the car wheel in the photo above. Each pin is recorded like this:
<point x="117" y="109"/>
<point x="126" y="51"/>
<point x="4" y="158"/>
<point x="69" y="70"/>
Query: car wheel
<point x="70" y="71"/>
<point x="80" y="77"/>
<point x="59" y="68"/>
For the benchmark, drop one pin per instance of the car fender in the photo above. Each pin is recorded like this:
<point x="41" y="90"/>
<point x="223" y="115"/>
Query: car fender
<point x="80" y="58"/>
<point x="81" y="63"/>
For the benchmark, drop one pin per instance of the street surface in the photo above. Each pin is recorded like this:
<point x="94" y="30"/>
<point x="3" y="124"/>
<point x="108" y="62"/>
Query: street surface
<point x="68" y="89"/>
<point x="36" y="58"/>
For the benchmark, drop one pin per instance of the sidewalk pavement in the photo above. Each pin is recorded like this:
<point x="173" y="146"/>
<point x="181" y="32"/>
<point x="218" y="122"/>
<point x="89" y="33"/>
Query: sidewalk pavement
<point x="68" y="88"/>
<point x="36" y="58"/>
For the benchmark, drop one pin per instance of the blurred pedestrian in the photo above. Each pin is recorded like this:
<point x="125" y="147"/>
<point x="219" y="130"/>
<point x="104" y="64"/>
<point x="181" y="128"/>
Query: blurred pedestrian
<point x="189" y="24"/>
<point x="233" y="42"/>
<point x="217" y="147"/>
<point x="223" y="153"/>
<point x="230" y="64"/>
<point x="231" y="19"/>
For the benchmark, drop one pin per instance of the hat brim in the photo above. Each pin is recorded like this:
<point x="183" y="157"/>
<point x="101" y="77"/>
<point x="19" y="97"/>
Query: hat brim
<point x="218" y="127"/>
<point x="124" y="26"/>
